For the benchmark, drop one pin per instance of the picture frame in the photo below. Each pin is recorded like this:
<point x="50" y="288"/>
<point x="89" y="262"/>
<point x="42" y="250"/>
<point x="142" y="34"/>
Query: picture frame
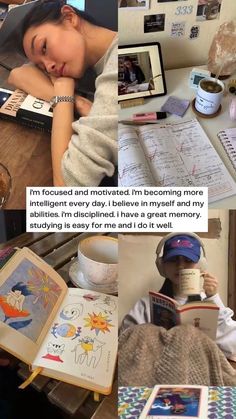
<point x="172" y="401"/>
<point x="133" y="4"/>
<point x="140" y="71"/>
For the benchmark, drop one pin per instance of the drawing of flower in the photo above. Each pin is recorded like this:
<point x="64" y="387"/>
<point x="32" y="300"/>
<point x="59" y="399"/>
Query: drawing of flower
<point x="43" y="287"/>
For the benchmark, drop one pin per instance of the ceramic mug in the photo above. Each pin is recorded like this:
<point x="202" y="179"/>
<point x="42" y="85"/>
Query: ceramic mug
<point x="98" y="259"/>
<point x="209" y="95"/>
<point x="190" y="282"/>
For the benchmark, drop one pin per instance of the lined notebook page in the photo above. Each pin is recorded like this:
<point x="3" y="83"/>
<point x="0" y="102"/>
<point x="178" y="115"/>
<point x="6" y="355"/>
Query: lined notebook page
<point x="228" y="140"/>
<point x="176" y="154"/>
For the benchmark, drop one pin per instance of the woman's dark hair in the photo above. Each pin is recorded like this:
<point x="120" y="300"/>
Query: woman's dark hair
<point x="20" y="286"/>
<point x="48" y="11"/>
<point x="167" y="288"/>
<point x="129" y="59"/>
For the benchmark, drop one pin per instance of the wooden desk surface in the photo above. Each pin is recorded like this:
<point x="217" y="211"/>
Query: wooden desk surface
<point x="26" y="152"/>
<point x="59" y="250"/>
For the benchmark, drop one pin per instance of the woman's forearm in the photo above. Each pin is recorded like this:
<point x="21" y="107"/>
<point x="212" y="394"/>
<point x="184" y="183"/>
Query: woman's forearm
<point x="63" y="115"/>
<point x="33" y="81"/>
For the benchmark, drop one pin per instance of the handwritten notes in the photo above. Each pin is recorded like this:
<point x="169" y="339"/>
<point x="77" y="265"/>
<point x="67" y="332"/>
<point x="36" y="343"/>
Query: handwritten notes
<point x="177" y="154"/>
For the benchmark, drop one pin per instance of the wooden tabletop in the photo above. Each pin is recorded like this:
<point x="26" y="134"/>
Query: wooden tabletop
<point x="59" y="250"/>
<point x="26" y="152"/>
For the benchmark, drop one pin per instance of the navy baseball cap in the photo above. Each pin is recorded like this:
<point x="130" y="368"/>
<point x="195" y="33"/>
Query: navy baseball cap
<point x="182" y="245"/>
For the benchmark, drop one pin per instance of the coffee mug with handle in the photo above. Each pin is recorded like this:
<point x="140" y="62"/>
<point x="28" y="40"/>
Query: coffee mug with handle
<point x="190" y="282"/>
<point x="98" y="259"/>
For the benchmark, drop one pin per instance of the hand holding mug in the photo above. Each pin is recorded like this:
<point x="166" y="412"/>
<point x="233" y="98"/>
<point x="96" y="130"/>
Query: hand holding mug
<point x="210" y="284"/>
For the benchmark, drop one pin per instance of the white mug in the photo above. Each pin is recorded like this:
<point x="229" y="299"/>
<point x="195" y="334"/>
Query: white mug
<point x="98" y="259"/>
<point x="209" y="95"/>
<point x="190" y="282"/>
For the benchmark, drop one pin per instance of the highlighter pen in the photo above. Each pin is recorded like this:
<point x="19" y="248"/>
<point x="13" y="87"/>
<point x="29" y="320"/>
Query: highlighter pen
<point x="149" y="116"/>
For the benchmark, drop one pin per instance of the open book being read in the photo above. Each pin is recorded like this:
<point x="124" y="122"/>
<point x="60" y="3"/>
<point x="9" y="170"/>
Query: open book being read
<point x="167" y="313"/>
<point x="174" y="154"/>
<point x="70" y="333"/>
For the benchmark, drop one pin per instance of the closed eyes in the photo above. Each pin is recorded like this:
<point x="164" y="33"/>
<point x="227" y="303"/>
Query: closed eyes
<point x="44" y="48"/>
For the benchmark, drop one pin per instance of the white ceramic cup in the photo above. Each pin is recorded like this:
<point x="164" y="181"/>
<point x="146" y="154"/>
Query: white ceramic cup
<point x="98" y="259"/>
<point x="190" y="282"/>
<point x="209" y="95"/>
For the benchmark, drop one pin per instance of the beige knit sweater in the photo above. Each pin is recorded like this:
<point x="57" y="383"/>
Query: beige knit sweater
<point x="150" y="355"/>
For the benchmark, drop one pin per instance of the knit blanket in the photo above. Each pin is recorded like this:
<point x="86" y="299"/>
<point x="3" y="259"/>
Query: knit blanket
<point x="150" y="355"/>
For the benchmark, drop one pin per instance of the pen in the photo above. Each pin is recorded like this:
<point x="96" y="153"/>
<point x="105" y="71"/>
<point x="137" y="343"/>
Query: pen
<point x="131" y="122"/>
<point x="149" y="116"/>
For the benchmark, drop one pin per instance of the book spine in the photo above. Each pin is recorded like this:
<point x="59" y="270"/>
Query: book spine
<point x="26" y="122"/>
<point x="37" y="120"/>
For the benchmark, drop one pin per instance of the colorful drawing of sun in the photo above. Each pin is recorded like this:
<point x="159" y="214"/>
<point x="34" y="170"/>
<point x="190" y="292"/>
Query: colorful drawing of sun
<point x="98" y="322"/>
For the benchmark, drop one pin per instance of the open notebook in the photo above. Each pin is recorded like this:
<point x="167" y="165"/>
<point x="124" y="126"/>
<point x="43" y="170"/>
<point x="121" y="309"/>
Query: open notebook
<point x="174" y="154"/>
<point x="69" y="334"/>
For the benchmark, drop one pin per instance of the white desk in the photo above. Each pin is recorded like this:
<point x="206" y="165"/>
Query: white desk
<point x="177" y="85"/>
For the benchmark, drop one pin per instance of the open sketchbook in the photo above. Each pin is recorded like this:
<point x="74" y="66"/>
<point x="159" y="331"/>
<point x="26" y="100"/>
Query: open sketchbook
<point x="171" y="401"/>
<point x="166" y="312"/>
<point x="70" y="333"/>
<point x="176" y="154"/>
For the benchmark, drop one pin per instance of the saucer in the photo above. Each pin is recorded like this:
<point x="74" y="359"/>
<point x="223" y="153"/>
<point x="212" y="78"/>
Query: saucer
<point x="77" y="278"/>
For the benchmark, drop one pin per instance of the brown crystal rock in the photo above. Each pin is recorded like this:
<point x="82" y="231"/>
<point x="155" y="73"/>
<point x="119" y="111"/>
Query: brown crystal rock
<point x="222" y="53"/>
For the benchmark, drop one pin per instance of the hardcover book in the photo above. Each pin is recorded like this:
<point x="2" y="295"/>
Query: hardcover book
<point x="171" y="401"/>
<point x="167" y="313"/>
<point x="28" y="110"/>
<point x="69" y="334"/>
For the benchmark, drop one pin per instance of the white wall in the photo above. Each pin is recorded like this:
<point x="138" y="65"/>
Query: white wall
<point x="138" y="273"/>
<point x="180" y="52"/>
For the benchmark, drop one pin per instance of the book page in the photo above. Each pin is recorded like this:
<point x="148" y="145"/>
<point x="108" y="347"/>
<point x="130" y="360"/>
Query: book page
<point x="30" y="294"/>
<point x="163" y="310"/>
<point x="81" y="345"/>
<point x="133" y="168"/>
<point x="171" y="401"/>
<point x="181" y="154"/>
<point x="203" y="315"/>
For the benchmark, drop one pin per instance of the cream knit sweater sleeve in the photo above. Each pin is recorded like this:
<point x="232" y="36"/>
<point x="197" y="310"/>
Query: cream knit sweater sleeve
<point x="92" y="151"/>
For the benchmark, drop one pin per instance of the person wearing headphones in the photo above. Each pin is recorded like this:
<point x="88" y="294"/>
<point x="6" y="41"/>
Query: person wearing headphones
<point x="186" y="251"/>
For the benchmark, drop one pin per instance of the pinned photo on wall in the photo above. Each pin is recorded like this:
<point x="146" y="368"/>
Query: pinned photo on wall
<point x="208" y="10"/>
<point x="154" y="23"/>
<point x="133" y="4"/>
<point x="194" y="32"/>
<point x="177" y="29"/>
<point x="140" y="71"/>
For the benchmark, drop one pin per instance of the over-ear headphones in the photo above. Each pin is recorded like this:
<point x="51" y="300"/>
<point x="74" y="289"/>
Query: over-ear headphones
<point x="202" y="263"/>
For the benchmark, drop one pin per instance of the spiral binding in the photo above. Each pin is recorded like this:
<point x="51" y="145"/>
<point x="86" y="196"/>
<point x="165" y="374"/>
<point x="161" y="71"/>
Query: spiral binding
<point x="229" y="148"/>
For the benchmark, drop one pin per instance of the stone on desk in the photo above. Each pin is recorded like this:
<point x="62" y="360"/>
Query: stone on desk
<point x="67" y="397"/>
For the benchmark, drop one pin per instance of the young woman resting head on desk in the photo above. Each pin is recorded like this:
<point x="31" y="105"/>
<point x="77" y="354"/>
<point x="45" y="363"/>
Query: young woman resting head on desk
<point x="62" y="43"/>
